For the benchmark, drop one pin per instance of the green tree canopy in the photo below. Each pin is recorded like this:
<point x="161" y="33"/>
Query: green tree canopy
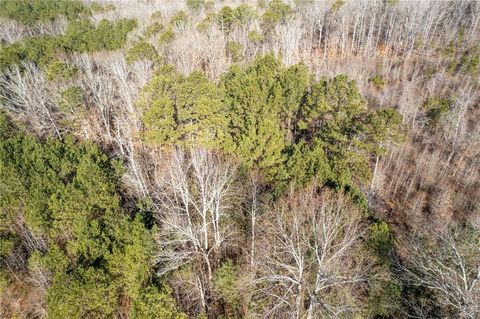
<point x="95" y="255"/>
<point x="274" y="118"/>
<point x="184" y="110"/>
<point x="80" y="36"/>
<point x="30" y="12"/>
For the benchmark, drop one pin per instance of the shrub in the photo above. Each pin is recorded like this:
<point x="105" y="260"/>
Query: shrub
<point x="167" y="36"/>
<point x="337" y="4"/>
<point x="429" y="72"/>
<point x="381" y="241"/>
<point x="156" y="303"/>
<point x="225" y="283"/>
<point x="156" y="15"/>
<point x="58" y="70"/>
<point x="98" y="7"/>
<point x="179" y="19"/>
<point x="276" y="12"/>
<point x="385" y="296"/>
<point x="153" y="29"/>
<point x="235" y="50"/>
<point x="4" y="281"/>
<point x="470" y="62"/>
<point x="435" y="108"/>
<point x="209" y="5"/>
<point x="7" y="244"/>
<point x="377" y="80"/>
<point x="303" y="3"/>
<point x="142" y="51"/>
<point x="392" y="2"/>
<point x="226" y="18"/>
<point x="207" y="22"/>
<point x="243" y="13"/>
<point x="254" y="36"/>
<point x="195" y="4"/>
<point x="467" y="63"/>
<point x="71" y="99"/>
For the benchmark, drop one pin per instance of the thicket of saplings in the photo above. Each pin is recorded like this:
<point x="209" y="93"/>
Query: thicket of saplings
<point x="130" y="188"/>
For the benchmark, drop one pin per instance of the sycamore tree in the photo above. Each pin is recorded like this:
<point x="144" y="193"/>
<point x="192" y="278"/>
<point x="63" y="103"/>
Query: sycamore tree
<point x="197" y="203"/>
<point x="312" y="261"/>
<point x="449" y="268"/>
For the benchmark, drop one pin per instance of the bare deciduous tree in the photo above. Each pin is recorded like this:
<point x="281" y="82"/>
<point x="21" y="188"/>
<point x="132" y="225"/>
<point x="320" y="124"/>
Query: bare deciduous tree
<point x="196" y="194"/>
<point x="313" y="265"/>
<point x="451" y="270"/>
<point x="253" y="210"/>
<point x="24" y="92"/>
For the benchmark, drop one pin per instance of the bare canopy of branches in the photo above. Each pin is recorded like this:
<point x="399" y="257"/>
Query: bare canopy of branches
<point x="451" y="270"/>
<point x="312" y="264"/>
<point x="196" y="207"/>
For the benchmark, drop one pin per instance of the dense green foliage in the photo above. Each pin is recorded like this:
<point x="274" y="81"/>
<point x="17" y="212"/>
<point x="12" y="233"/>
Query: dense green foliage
<point x="80" y="36"/>
<point x="273" y="118"/>
<point x="58" y="70"/>
<point x="179" y="18"/>
<point x="435" y="108"/>
<point x="195" y="4"/>
<point x="84" y="36"/>
<point x="228" y="18"/>
<point x="234" y="50"/>
<point x="30" y="12"/>
<point x="184" y="110"/>
<point x="71" y="100"/>
<point x="277" y="12"/>
<point x="142" y="51"/>
<point x="377" y="80"/>
<point x="94" y="254"/>
<point x="39" y="49"/>
<point x="225" y="282"/>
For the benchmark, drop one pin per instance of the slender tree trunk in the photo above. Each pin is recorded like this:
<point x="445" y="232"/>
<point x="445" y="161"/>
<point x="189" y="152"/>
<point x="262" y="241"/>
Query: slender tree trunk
<point x="374" y="174"/>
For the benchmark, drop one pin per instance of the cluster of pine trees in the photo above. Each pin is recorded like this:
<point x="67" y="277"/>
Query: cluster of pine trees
<point x="62" y="211"/>
<point x="276" y="119"/>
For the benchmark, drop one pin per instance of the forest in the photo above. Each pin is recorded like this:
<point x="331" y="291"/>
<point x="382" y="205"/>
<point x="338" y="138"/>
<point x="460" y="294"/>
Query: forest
<point x="239" y="159"/>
